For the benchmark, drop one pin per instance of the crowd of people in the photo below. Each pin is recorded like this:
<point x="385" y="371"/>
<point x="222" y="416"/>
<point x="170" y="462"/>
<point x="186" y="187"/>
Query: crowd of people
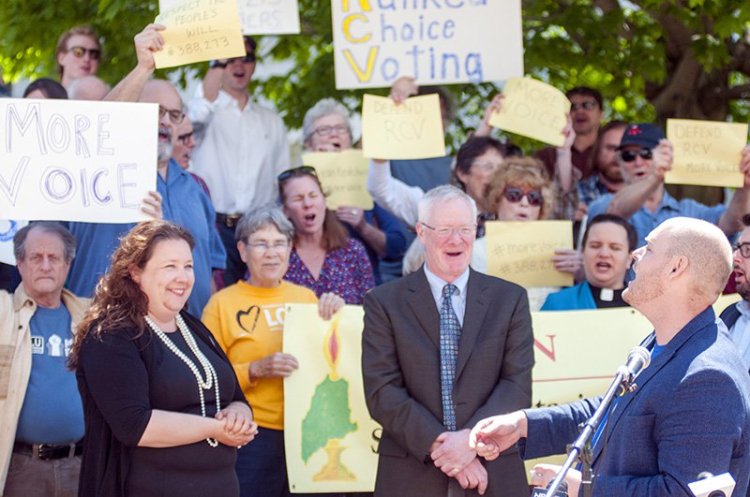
<point x="180" y="373"/>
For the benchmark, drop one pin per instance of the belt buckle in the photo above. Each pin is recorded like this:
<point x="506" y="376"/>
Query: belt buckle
<point x="41" y="451"/>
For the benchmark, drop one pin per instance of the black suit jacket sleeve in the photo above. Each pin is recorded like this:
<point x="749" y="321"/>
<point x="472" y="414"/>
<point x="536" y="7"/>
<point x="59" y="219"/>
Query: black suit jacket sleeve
<point x="513" y="389"/>
<point x="388" y="400"/>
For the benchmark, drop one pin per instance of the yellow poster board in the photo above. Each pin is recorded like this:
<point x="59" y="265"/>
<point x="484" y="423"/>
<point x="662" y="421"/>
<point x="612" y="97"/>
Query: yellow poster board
<point x="706" y="152"/>
<point x="200" y="30"/>
<point x="329" y="437"/>
<point x="534" y="109"/>
<point x="343" y="176"/>
<point x="521" y="251"/>
<point x="411" y="130"/>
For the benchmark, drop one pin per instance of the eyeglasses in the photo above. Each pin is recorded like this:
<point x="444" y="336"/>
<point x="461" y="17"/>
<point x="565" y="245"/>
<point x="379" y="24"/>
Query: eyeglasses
<point x="176" y="116"/>
<point x="444" y="231"/>
<point x="487" y="166"/>
<point x="80" y="52"/>
<point x="588" y="105"/>
<point x="339" y="129"/>
<point x="514" y="195"/>
<point x="249" y="57"/>
<point x="744" y="249"/>
<point x="261" y="247"/>
<point x="630" y="155"/>
<point x="297" y="171"/>
<point x="186" y="138"/>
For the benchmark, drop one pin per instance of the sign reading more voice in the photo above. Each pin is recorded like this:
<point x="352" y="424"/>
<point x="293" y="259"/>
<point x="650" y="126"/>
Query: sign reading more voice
<point x="706" y="152"/>
<point x="410" y="130"/>
<point x="343" y="176"/>
<point x="435" y="41"/>
<point x="200" y="30"/>
<point x="260" y="17"/>
<point x="534" y="109"/>
<point x="76" y="160"/>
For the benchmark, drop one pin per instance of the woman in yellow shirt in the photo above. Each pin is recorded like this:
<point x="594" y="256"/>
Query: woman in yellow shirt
<point x="247" y="319"/>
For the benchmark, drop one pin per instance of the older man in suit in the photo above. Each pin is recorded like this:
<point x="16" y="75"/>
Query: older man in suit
<point x="443" y="348"/>
<point x="691" y="410"/>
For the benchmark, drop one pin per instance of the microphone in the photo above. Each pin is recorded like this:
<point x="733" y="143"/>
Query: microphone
<point x="638" y="359"/>
<point x="709" y="485"/>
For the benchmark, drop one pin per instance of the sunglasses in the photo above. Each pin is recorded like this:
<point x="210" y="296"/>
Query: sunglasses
<point x="630" y="155"/>
<point x="514" y="195"/>
<point x="589" y="105"/>
<point x="297" y="171"/>
<point x="186" y="138"/>
<point x="80" y="52"/>
<point x="176" y="116"/>
<point x="249" y="57"/>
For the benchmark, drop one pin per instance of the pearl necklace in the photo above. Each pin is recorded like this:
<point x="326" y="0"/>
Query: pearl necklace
<point x="208" y="369"/>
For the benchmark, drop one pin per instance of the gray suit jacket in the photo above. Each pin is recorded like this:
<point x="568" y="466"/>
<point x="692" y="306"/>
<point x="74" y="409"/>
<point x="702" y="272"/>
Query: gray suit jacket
<point x="401" y="368"/>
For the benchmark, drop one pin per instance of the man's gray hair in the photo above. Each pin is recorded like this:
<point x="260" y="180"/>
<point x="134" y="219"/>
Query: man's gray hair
<point x="322" y="108"/>
<point x="258" y="219"/>
<point x="69" y="241"/>
<point x="443" y="193"/>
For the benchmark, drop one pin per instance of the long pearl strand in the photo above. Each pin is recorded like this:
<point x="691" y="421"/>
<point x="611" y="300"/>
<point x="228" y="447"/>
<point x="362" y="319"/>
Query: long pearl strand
<point x="208" y="369"/>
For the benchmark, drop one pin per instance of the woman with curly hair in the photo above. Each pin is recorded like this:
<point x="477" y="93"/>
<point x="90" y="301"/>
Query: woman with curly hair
<point x="164" y="414"/>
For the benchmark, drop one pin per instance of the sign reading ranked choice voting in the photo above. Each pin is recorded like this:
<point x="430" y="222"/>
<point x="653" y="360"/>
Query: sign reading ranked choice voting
<point x="434" y="41"/>
<point x="76" y="161"/>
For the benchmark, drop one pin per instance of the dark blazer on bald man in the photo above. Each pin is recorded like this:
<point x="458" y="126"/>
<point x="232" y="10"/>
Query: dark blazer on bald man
<point x="401" y="368"/>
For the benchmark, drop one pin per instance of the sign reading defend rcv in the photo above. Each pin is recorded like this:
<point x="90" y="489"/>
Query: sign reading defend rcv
<point x="76" y="160"/>
<point x="434" y="41"/>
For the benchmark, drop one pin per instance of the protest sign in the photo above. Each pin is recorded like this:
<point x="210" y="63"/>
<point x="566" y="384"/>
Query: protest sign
<point x="8" y="229"/>
<point x="329" y="437"/>
<point x="706" y="152"/>
<point x="261" y="17"/>
<point x="534" y="109"/>
<point x="343" y="176"/>
<point x="200" y="30"/>
<point x="76" y="160"/>
<point x="521" y="251"/>
<point x="410" y="130"/>
<point x="436" y="42"/>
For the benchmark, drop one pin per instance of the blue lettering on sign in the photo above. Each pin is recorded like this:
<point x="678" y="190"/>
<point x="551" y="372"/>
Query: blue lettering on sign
<point x="8" y="234"/>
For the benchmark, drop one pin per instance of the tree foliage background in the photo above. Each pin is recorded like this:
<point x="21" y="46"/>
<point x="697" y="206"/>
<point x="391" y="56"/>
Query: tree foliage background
<point x="651" y="59"/>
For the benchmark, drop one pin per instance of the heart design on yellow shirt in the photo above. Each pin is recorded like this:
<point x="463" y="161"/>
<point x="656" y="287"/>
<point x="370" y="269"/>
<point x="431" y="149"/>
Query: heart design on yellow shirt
<point x="245" y="318"/>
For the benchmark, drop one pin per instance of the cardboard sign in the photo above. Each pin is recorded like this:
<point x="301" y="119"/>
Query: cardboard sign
<point x="76" y="160"/>
<point x="329" y="437"/>
<point x="200" y="30"/>
<point x="436" y="42"/>
<point x="411" y="130"/>
<point x="521" y="251"/>
<point x="343" y="176"/>
<point x="261" y="17"/>
<point x="706" y="152"/>
<point x="534" y="109"/>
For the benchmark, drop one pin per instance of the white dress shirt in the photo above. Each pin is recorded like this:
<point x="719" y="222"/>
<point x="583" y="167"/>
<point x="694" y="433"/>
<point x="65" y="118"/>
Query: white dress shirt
<point x="740" y="332"/>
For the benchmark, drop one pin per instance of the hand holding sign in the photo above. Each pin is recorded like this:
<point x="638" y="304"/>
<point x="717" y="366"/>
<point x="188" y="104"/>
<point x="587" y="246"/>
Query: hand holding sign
<point x="411" y="130"/>
<point x="200" y="30"/>
<point x="534" y="109"/>
<point x="706" y="152"/>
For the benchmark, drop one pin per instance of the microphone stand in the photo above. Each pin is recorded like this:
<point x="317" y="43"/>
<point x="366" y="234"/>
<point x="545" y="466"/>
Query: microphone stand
<point x="581" y="448"/>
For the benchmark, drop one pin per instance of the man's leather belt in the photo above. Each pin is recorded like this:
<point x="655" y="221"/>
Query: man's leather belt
<point x="228" y="220"/>
<point x="48" y="452"/>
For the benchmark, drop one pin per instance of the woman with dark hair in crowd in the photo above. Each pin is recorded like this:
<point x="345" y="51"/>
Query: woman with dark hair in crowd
<point x="164" y="414"/>
<point x="607" y="244"/>
<point x="45" y="88"/>
<point x="324" y="257"/>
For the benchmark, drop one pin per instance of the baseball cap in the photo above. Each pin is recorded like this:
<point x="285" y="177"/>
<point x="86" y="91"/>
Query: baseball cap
<point x="645" y="135"/>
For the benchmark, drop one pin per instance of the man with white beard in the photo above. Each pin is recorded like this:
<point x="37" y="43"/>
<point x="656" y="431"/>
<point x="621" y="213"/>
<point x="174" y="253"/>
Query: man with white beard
<point x="737" y="316"/>
<point x="183" y="201"/>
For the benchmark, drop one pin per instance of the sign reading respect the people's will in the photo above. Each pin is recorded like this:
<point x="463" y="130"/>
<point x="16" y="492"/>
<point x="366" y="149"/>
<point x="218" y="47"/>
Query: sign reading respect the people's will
<point x="434" y="41"/>
<point x="259" y="17"/>
<point x="76" y="160"/>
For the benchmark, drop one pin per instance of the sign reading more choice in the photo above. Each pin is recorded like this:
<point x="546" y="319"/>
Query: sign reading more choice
<point x="435" y="41"/>
<point x="534" y="109"/>
<point x="343" y="176"/>
<point x="76" y="160"/>
<point x="260" y="17"/>
<point x="200" y="30"/>
<point x="410" y="130"/>
<point x="706" y="152"/>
